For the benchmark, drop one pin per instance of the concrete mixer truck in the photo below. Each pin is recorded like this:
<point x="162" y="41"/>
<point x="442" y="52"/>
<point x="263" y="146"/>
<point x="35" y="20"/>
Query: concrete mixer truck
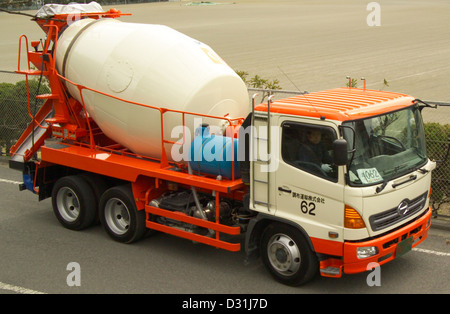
<point x="148" y="130"/>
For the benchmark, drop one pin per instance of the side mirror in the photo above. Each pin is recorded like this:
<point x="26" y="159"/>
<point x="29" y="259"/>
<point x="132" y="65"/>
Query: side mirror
<point x="340" y="152"/>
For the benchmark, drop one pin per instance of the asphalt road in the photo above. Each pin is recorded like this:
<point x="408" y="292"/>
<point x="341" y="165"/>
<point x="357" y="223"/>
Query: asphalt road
<point x="36" y="251"/>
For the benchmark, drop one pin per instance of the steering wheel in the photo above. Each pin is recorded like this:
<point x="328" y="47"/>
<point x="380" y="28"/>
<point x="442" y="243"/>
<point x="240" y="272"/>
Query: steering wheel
<point x="393" y="139"/>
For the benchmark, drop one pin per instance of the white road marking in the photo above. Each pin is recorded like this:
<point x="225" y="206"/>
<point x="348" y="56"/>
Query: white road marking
<point x="17" y="289"/>
<point x="431" y="252"/>
<point x="10" y="181"/>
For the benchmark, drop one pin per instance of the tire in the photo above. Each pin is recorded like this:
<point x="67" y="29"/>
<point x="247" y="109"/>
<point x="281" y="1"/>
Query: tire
<point x="74" y="203"/>
<point x="287" y="255"/>
<point x="119" y="215"/>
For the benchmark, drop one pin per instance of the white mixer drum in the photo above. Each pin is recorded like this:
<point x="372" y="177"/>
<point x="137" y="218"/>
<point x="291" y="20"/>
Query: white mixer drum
<point x="149" y="64"/>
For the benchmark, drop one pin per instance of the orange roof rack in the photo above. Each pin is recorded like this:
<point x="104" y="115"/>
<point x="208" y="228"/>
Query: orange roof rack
<point x="340" y="104"/>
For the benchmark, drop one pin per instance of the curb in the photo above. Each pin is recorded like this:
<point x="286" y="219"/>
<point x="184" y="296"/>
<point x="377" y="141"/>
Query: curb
<point x="441" y="223"/>
<point x="4" y="159"/>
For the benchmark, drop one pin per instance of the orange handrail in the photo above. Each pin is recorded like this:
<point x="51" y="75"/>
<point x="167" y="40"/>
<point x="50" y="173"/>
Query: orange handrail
<point x="63" y="108"/>
<point x="20" y="52"/>
<point x="162" y="111"/>
<point x="26" y="73"/>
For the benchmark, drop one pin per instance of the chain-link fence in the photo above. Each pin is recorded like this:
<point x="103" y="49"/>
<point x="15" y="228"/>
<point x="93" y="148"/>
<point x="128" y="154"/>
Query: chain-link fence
<point x="438" y="149"/>
<point x="15" y="115"/>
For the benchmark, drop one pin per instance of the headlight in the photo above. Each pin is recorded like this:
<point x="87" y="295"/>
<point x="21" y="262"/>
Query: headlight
<point x="366" y="251"/>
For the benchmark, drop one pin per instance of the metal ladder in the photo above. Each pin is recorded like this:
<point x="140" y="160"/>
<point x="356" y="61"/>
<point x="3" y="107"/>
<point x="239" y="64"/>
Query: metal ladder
<point x="260" y="180"/>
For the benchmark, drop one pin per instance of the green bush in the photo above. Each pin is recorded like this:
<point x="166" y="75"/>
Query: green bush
<point x="438" y="147"/>
<point x="259" y="82"/>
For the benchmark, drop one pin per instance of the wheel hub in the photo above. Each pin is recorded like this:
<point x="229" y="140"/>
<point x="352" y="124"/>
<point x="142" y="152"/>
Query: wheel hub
<point x="68" y="204"/>
<point x="281" y="255"/>
<point x="284" y="254"/>
<point x="117" y="216"/>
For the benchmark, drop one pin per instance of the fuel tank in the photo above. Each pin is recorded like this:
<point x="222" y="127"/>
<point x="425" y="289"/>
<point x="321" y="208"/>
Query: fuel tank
<point x="214" y="154"/>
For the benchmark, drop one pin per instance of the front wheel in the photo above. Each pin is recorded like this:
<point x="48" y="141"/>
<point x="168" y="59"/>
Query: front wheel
<point x="287" y="255"/>
<point x="119" y="215"/>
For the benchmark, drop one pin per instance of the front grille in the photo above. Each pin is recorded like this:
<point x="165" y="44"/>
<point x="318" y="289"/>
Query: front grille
<point x="394" y="215"/>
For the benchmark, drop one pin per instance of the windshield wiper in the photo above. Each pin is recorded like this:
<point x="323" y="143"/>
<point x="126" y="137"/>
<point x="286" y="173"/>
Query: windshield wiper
<point x="411" y="178"/>
<point x="382" y="186"/>
<point x="385" y="181"/>
<point x="415" y="168"/>
<point x="393" y="172"/>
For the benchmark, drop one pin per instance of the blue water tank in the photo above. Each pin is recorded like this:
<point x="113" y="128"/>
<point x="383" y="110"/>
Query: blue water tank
<point x="213" y="154"/>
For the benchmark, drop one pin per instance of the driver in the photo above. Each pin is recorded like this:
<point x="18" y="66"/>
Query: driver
<point x="314" y="151"/>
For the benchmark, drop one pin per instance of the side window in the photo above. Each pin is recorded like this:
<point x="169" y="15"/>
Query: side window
<point x="309" y="147"/>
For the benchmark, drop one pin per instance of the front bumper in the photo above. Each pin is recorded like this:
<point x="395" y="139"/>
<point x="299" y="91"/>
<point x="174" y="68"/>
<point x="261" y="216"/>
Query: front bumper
<point x="386" y="245"/>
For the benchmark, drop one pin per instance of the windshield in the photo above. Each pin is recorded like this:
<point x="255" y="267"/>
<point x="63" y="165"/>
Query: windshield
<point x="385" y="146"/>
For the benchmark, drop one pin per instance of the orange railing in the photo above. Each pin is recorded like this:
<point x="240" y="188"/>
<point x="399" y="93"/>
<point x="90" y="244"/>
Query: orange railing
<point x="232" y="122"/>
<point x="27" y="72"/>
<point x="63" y="110"/>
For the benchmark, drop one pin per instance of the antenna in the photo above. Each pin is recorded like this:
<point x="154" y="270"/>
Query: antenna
<point x="290" y="80"/>
<point x="301" y="93"/>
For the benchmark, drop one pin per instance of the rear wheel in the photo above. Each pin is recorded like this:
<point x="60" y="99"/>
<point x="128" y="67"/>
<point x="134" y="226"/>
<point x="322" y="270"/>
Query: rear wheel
<point x="287" y="255"/>
<point x="119" y="215"/>
<point x="74" y="203"/>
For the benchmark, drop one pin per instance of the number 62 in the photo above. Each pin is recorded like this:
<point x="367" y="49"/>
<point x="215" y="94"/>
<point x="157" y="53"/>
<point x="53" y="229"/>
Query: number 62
<point x="308" y="208"/>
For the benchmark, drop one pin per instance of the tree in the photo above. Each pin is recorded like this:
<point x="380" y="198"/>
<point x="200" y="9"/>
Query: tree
<point x="259" y="82"/>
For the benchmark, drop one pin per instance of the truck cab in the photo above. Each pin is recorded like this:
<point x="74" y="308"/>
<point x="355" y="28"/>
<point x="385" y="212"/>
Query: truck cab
<point x="346" y="169"/>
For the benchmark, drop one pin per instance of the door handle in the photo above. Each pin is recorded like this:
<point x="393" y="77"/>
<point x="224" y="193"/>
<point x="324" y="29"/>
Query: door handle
<point x="282" y="189"/>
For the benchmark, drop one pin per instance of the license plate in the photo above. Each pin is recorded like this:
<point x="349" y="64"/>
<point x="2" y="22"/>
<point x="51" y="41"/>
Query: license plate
<point x="404" y="246"/>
